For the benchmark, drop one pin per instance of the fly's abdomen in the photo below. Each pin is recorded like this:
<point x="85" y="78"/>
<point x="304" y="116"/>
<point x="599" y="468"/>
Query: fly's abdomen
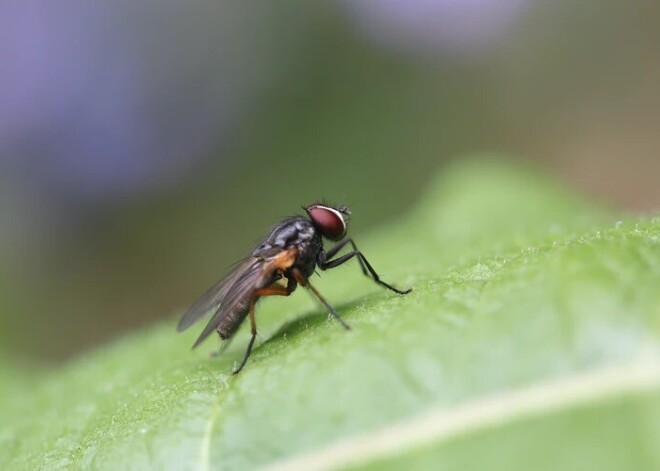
<point x="233" y="320"/>
<point x="230" y="323"/>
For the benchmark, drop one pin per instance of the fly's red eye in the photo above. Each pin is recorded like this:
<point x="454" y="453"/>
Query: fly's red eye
<point x="328" y="221"/>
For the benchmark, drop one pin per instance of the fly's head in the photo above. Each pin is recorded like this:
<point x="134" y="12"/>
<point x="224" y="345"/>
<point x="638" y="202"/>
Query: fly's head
<point x="329" y="221"/>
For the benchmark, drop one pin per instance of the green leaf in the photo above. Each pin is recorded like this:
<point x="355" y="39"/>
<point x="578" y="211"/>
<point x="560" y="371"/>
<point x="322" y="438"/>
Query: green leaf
<point x="530" y="341"/>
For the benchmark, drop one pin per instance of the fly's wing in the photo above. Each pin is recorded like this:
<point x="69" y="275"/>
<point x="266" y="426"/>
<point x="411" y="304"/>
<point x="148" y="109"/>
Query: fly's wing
<point x="254" y="277"/>
<point x="210" y="301"/>
<point x="250" y="279"/>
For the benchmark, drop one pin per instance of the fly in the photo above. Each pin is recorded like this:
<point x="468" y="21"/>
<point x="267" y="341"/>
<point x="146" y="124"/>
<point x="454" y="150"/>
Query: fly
<point x="291" y="251"/>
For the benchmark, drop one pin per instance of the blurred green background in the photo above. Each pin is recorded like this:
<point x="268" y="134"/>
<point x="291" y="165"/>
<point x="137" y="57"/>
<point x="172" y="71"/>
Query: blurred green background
<point x="145" y="147"/>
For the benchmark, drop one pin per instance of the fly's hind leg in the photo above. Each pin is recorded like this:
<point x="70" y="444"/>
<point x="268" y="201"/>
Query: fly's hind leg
<point x="273" y="290"/>
<point x="253" y="325"/>
<point x="223" y="347"/>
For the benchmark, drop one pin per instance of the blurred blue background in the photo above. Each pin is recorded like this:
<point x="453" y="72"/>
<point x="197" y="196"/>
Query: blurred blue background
<point x="144" y="146"/>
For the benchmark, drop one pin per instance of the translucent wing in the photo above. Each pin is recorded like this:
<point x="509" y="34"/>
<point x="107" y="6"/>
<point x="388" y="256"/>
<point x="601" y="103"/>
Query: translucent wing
<point x="250" y="279"/>
<point x="210" y="301"/>
<point x="258" y="275"/>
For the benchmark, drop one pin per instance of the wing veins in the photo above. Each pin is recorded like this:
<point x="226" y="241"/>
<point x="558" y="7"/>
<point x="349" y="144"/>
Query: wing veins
<point x="241" y="289"/>
<point x="211" y="300"/>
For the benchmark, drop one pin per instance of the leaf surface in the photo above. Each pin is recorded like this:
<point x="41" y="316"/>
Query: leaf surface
<point x="518" y="284"/>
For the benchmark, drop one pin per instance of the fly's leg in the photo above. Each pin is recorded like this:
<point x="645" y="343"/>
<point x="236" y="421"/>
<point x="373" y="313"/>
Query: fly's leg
<point x="325" y="256"/>
<point x="223" y="347"/>
<point x="325" y="263"/>
<point x="253" y="325"/>
<point x="300" y="278"/>
<point x="273" y="290"/>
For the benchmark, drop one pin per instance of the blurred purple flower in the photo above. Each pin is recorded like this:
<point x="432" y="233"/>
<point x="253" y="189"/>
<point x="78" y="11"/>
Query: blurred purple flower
<point x="456" y="27"/>
<point x="75" y="121"/>
<point x="103" y="99"/>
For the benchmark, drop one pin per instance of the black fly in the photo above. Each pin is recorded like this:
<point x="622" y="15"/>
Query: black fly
<point x="292" y="251"/>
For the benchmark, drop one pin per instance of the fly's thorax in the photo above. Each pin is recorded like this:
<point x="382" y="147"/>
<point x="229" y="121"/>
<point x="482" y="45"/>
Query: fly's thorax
<point x="298" y="232"/>
<point x="291" y="232"/>
<point x="308" y="252"/>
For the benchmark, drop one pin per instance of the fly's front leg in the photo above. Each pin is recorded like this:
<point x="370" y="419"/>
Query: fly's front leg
<point x="325" y="263"/>
<point x="324" y="257"/>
